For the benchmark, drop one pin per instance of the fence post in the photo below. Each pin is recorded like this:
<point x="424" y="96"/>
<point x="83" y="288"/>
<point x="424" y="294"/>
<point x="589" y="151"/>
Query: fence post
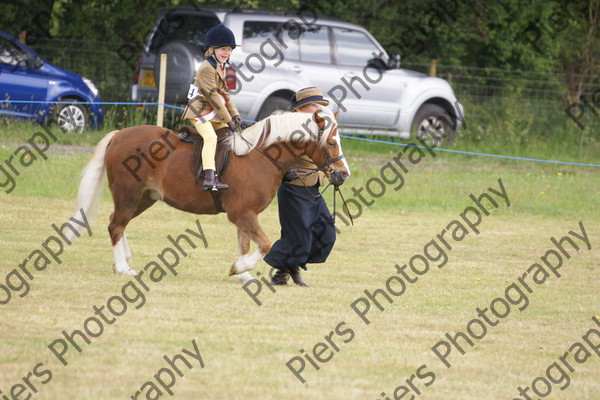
<point x="161" y="89"/>
<point x="432" y="67"/>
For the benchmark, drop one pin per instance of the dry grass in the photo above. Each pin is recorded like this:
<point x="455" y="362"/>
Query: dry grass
<point x="245" y="347"/>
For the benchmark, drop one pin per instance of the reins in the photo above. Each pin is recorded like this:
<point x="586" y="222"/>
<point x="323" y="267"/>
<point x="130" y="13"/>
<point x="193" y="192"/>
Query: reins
<point x="335" y="191"/>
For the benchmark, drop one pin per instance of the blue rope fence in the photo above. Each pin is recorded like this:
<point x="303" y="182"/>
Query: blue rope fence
<point x="473" y="153"/>
<point x="344" y="136"/>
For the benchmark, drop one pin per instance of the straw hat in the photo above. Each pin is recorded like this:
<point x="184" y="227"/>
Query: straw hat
<point x="308" y="95"/>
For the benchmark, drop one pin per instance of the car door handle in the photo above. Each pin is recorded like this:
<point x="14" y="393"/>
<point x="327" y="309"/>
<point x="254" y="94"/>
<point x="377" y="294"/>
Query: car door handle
<point x="296" y="68"/>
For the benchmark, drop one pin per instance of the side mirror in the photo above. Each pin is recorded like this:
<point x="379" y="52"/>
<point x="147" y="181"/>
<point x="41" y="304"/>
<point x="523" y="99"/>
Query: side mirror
<point x="31" y="62"/>
<point x="394" y="61"/>
<point x="377" y="63"/>
<point x="38" y="62"/>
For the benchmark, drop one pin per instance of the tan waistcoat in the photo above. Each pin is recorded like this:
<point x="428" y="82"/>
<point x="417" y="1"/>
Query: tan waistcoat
<point x="310" y="180"/>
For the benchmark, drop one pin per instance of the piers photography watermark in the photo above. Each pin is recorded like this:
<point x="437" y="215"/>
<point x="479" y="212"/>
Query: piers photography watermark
<point x="515" y="296"/>
<point x="132" y="295"/>
<point x="17" y="280"/>
<point x="165" y="377"/>
<point x="391" y="176"/>
<point x="577" y="110"/>
<point x="556" y="22"/>
<point x="27" y="154"/>
<point x="434" y="251"/>
<point x="157" y="151"/>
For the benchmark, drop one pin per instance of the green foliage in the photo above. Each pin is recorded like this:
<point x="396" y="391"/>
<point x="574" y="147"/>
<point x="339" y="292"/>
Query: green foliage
<point x="527" y="35"/>
<point x="26" y="15"/>
<point x="471" y="32"/>
<point x="527" y="129"/>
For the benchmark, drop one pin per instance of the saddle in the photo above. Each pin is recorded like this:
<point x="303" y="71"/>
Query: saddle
<point x="190" y="135"/>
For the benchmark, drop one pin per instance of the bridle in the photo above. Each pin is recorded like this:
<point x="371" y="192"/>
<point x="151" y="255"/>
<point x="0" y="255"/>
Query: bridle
<point x="326" y="164"/>
<point x="328" y="161"/>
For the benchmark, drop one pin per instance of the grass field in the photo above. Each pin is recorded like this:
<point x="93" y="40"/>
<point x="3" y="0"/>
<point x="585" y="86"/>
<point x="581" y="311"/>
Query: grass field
<point x="245" y="347"/>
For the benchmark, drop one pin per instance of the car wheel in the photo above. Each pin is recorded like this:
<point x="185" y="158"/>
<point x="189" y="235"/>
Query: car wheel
<point x="72" y="117"/>
<point x="273" y="105"/>
<point x="433" y="125"/>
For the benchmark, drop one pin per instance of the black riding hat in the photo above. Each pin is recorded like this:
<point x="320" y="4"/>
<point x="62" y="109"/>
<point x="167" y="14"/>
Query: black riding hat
<point x="219" y="36"/>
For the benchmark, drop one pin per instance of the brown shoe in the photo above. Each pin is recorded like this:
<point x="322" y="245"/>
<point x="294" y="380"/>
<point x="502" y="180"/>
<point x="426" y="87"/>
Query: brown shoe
<point x="296" y="277"/>
<point x="280" y="278"/>
<point x="211" y="181"/>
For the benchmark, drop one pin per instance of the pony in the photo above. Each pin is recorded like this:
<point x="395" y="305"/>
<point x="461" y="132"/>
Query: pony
<point x="148" y="163"/>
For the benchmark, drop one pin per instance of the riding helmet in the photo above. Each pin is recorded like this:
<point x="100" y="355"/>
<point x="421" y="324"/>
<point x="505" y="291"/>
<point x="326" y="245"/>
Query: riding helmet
<point x="219" y="36"/>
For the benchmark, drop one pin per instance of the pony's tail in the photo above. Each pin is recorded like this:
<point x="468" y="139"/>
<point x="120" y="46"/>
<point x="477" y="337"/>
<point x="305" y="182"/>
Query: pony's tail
<point x="88" y="197"/>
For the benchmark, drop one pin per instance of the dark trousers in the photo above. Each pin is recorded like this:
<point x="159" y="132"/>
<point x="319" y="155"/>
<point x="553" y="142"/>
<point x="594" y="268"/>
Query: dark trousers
<point x="307" y="230"/>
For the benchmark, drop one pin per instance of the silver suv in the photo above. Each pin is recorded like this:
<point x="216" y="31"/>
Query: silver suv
<point x="280" y="53"/>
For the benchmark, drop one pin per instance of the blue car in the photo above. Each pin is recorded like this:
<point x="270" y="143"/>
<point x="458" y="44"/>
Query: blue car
<point x="30" y="85"/>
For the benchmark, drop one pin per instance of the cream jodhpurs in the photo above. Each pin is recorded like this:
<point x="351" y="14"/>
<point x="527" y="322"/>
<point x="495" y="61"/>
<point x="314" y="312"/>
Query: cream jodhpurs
<point x="207" y="131"/>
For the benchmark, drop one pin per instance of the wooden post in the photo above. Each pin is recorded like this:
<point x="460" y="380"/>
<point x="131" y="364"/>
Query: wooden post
<point x="161" y="89"/>
<point x="432" y="67"/>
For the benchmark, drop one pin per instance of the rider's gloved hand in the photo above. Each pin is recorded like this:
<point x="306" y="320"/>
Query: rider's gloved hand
<point x="231" y="125"/>
<point x="291" y="175"/>
<point x="238" y="121"/>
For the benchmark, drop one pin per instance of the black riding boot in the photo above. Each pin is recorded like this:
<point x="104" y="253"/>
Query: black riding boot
<point x="280" y="278"/>
<point x="211" y="181"/>
<point x="296" y="277"/>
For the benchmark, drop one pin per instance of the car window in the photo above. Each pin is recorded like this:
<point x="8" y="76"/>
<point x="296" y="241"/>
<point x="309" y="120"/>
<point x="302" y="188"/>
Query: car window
<point x="190" y="28"/>
<point x="289" y="36"/>
<point x="314" y="45"/>
<point x="10" y="53"/>
<point x="300" y="43"/>
<point x="353" y="48"/>
<point x="256" y="33"/>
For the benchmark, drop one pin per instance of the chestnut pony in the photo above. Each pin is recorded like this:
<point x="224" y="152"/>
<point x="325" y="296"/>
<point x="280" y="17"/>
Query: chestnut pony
<point x="149" y="163"/>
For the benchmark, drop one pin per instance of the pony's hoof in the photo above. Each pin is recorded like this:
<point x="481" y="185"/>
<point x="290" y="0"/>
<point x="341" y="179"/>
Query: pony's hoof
<point x="242" y="265"/>
<point x="128" y="272"/>
<point x="239" y="268"/>
<point x="244" y="277"/>
<point x="124" y="271"/>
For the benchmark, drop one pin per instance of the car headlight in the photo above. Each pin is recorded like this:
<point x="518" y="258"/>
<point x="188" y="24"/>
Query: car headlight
<point x="91" y="85"/>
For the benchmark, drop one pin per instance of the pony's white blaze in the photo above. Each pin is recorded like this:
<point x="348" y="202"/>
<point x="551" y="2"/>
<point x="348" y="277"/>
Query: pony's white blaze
<point x="338" y="140"/>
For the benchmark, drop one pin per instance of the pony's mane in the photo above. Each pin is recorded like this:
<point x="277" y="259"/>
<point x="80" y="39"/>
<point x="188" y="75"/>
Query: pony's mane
<point x="298" y="127"/>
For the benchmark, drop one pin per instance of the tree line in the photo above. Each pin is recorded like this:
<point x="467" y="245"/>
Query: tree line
<point x="533" y="35"/>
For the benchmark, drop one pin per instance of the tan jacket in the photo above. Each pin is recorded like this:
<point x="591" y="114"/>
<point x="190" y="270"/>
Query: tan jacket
<point x="210" y="81"/>
<point x="309" y="180"/>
